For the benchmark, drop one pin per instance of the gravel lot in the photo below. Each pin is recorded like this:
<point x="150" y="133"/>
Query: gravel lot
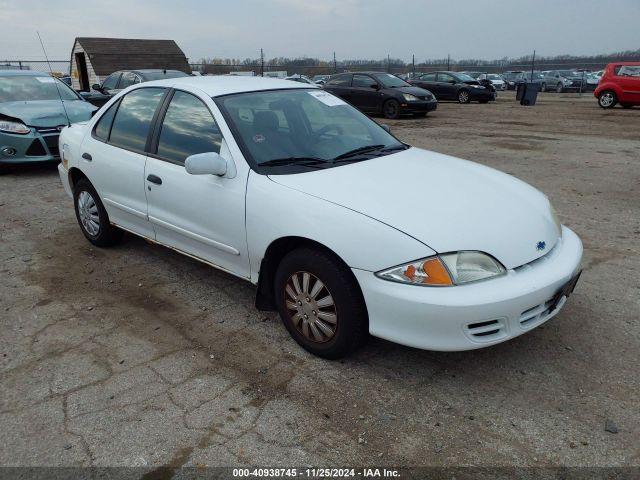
<point x="138" y="356"/>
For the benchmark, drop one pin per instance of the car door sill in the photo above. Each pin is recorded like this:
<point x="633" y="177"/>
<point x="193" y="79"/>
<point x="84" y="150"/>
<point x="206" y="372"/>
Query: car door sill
<point x="195" y="236"/>
<point x="182" y="252"/>
<point x="130" y="210"/>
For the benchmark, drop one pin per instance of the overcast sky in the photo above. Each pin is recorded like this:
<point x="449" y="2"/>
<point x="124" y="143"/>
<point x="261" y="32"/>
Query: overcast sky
<point x="486" y="29"/>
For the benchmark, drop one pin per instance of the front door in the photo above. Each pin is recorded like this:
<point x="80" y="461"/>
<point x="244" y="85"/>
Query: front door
<point x="113" y="157"/>
<point x="202" y="215"/>
<point x="363" y="94"/>
<point x="447" y="86"/>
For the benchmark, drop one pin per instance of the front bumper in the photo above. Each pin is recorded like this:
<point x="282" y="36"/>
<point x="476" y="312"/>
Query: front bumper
<point x="40" y="145"/>
<point x="477" y="94"/>
<point x="472" y="316"/>
<point x="421" y="106"/>
<point x="64" y="178"/>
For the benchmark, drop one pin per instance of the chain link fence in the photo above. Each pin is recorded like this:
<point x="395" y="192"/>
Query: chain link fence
<point x="60" y="68"/>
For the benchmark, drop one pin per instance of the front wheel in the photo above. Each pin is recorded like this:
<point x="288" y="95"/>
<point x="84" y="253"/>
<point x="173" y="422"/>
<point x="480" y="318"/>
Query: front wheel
<point x="92" y="216"/>
<point x="391" y="109"/>
<point x="559" y="88"/>
<point x="320" y="303"/>
<point x="607" y="99"/>
<point x="464" y="96"/>
<point x="543" y="87"/>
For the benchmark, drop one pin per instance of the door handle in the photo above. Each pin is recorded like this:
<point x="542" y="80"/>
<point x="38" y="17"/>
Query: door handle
<point x="87" y="157"/>
<point x="154" y="179"/>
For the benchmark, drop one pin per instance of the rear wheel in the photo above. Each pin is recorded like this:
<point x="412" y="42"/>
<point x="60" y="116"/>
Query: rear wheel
<point x="543" y="87"/>
<point x="464" y="96"/>
<point x="320" y="303"/>
<point x="607" y="99"/>
<point x="92" y="216"/>
<point x="391" y="109"/>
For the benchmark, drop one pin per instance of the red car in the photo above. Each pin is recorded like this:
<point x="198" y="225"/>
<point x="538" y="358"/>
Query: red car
<point x="620" y="83"/>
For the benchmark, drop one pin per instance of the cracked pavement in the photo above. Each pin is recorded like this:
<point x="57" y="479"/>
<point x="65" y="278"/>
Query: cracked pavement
<point x="138" y="356"/>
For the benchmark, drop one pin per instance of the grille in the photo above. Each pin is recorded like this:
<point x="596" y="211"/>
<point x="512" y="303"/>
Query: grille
<point x="487" y="330"/>
<point x="52" y="144"/>
<point x="533" y="315"/>
<point x="36" y="149"/>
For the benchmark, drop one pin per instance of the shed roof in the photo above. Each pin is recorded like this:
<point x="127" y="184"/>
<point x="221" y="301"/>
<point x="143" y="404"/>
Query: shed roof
<point x="108" y="55"/>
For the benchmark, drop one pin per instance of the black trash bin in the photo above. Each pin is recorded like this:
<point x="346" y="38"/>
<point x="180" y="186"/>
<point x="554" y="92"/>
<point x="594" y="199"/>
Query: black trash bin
<point x="527" y="93"/>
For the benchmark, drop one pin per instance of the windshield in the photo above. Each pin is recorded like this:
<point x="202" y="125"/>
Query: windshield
<point x="568" y="73"/>
<point x="149" y="76"/>
<point x="302" y="127"/>
<point x="493" y="77"/>
<point x="463" y="77"/>
<point x="24" y="88"/>
<point x="389" y="81"/>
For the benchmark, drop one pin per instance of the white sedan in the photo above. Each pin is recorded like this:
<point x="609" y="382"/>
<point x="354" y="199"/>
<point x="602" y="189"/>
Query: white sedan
<point x="345" y="230"/>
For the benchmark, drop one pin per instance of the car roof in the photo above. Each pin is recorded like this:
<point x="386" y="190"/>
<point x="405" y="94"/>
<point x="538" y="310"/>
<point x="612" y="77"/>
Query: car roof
<point x="218" y="85"/>
<point x="24" y="73"/>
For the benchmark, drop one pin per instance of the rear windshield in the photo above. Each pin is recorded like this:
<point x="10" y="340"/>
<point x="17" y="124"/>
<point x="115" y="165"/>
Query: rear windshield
<point x="22" y="88"/>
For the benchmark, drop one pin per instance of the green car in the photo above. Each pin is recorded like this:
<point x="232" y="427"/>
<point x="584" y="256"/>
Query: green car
<point x="32" y="115"/>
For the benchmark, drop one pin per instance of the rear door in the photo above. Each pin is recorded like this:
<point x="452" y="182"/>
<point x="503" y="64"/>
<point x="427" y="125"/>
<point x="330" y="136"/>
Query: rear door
<point x="427" y="81"/>
<point x="113" y="157"/>
<point x="628" y="77"/>
<point x="202" y="215"/>
<point x="340" y="85"/>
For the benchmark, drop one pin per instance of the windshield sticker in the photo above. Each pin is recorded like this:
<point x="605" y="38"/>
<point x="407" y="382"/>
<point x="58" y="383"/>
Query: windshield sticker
<point x="258" y="138"/>
<point x="327" y="98"/>
<point x="45" y="79"/>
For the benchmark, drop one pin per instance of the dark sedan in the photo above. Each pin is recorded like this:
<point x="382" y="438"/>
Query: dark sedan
<point x="381" y="93"/>
<point x="120" y="80"/>
<point x="455" y="86"/>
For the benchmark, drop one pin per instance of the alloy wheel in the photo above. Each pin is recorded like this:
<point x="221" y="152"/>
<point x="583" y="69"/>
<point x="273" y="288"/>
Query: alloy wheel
<point x="311" y="307"/>
<point x="606" y="99"/>
<point x="463" y="96"/>
<point x="88" y="212"/>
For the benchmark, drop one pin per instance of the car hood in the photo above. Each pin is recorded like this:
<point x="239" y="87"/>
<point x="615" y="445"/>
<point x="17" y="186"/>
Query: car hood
<point x="47" y="113"/>
<point x="447" y="203"/>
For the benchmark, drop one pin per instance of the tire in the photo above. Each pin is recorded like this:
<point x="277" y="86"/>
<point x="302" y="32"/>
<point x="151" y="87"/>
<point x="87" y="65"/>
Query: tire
<point x="543" y="87"/>
<point x="607" y="99"/>
<point x="92" y="217"/>
<point x="559" y="88"/>
<point x="391" y="109"/>
<point x="464" y="96"/>
<point x="338" y="328"/>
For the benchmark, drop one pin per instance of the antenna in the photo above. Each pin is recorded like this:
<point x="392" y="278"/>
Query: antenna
<point x="55" y="81"/>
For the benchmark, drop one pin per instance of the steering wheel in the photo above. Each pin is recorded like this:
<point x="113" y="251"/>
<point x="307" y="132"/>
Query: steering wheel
<point x="328" y="128"/>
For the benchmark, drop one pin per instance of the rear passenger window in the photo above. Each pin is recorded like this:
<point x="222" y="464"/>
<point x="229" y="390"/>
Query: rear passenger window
<point x="429" y="77"/>
<point x="133" y="119"/>
<point x="104" y="124"/>
<point x="188" y="128"/>
<point x="342" y="80"/>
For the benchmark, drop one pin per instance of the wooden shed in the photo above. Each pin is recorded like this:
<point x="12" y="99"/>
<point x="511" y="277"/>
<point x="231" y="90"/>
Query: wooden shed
<point x="93" y="59"/>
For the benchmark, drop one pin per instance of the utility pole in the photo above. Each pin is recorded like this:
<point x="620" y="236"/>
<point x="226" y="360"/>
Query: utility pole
<point x="388" y="63"/>
<point x="261" y="63"/>
<point x="335" y="64"/>
<point x="448" y="61"/>
<point x="413" y="63"/>
<point x="533" y="64"/>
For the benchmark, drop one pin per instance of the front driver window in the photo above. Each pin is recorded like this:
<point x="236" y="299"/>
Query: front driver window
<point x="188" y="128"/>
<point x="111" y="81"/>
<point x="363" y="81"/>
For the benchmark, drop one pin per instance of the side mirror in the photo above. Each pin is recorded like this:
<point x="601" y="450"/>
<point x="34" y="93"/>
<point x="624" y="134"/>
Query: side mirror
<point x="209" y="163"/>
<point x="386" y="127"/>
<point x="375" y="86"/>
<point x="97" y="87"/>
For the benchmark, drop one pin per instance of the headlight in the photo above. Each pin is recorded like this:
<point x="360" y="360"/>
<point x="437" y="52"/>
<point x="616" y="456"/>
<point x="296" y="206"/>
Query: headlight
<point x="410" y="98"/>
<point x="11" y="126"/>
<point x="445" y="270"/>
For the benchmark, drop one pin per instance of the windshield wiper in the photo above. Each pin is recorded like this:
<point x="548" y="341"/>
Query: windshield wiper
<point x="357" y="151"/>
<point x="305" y="161"/>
